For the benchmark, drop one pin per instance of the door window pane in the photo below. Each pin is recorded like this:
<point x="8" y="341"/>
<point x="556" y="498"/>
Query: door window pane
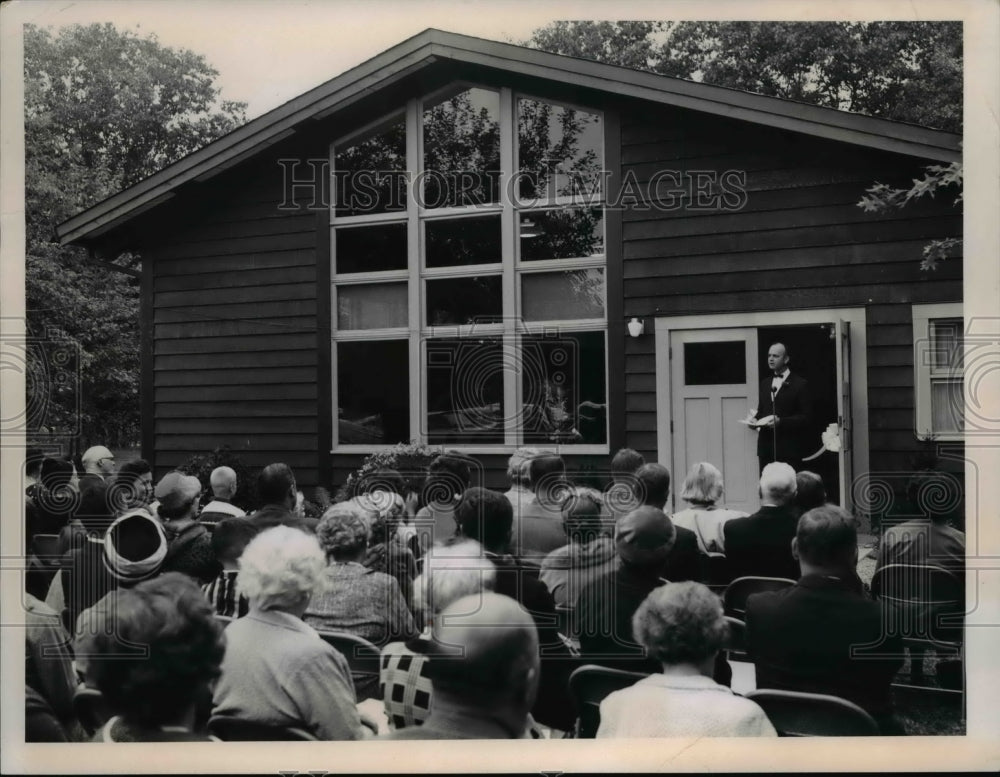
<point x="566" y="233"/>
<point x="707" y="364"/>
<point x="371" y="249"/>
<point x="462" y="150"/>
<point x="573" y="294"/>
<point x="371" y="306"/>
<point x="458" y="242"/>
<point x="563" y="385"/>
<point x="373" y="392"/>
<point x="464" y="391"/>
<point x="370" y="173"/>
<point x="460" y="301"/>
<point x="559" y="151"/>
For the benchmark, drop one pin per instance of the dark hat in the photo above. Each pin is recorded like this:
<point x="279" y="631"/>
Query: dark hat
<point x="645" y="536"/>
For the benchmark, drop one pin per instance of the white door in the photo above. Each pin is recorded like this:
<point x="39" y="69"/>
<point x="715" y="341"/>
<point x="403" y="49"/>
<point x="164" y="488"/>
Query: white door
<point x="713" y="385"/>
<point x="844" y="416"/>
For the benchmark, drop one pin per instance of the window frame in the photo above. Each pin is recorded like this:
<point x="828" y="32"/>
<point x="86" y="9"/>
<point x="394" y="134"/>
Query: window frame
<point x="924" y="372"/>
<point x="511" y="269"/>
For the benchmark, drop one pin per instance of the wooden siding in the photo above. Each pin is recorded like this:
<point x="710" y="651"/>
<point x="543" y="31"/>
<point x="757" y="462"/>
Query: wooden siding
<point x="233" y="308"/>
<point x="799" y="241"/>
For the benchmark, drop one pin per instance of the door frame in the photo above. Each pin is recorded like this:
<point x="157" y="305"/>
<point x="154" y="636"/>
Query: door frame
<point x="857" y="317"/>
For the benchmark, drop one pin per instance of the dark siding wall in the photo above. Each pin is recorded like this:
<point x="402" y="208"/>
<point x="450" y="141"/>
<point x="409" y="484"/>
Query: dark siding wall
<point x="799" y="241"/>
<point x="234" y="323"/>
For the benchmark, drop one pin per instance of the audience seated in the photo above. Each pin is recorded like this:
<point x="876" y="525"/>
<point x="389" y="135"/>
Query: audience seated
<point x="519" y="478"/>
<point x="48" y="672"/>
<point x="538" y="526"/>
<point x="809" y="491"/>
<point x="590" y="554"/>
<point x="602" y="619"/>
<point x="55" y="499"/>
<point x="131" y="550"/>
<point x="484" y="676"/>
<point x="824" y="635"/>
<point x="224" y="486"/>
<point x="189" y="548"/>
<point x="703" y="488"/>
<point x="381" y="499"/>
<point x="277" y="671"/>
<point x="620" y="497"/>
<point x="681" y="626"/>
<point x="278" y="494"/>
<point x="153" y="658"/>
<point x="447" y="478"/>
<point x="927" y="540"/>
<point x="230" y="538"/>
<point x="652" y="486"/>
<point x="487" y="517"/>
<point x="353" y="598"/>
<point x="451" y="571"/>
<point x="761" y="544"/>
<point x="132" y="487"/>
<point x="98" y="465"/>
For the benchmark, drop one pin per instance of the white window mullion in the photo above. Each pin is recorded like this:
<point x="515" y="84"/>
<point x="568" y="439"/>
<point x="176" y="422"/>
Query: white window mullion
<point x="414" y="161"/>
<point x="508" y="237"/>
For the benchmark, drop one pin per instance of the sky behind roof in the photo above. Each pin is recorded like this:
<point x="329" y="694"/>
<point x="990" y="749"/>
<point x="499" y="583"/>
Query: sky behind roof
<point x="267" y="52"/>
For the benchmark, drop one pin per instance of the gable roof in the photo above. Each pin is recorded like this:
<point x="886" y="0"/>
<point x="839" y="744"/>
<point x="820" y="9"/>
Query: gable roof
<point x="432" y="46"/>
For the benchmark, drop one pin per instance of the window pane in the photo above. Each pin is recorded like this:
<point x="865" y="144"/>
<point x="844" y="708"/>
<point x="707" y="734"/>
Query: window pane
<point x="559" y="151"/>
<point x="456" y="242"/>
<point x="371" y="249"/>
<point x="572" y="294"/>
<point x="563" y="385"/>
<point x="373" y="392"/>
<point x="947" y="406"/>
<point x="462" y="150"/>
<point x="371" y="306"/>
<point x="370" y="174"/>
<point x="566" y="233"/>
<point x="946" y="339"/>
<point x="452" y="301"/>
<point x="464" y="391"/>
<point x="707" y="364"/>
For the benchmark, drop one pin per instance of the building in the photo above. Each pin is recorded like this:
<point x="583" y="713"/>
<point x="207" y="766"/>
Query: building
<point x="458" y="228"/>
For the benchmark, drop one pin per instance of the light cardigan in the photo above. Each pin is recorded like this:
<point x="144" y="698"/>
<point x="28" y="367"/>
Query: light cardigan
<point x="674" y="706"/>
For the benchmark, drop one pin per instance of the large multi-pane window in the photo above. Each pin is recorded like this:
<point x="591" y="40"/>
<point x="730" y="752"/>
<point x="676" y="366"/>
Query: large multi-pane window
<point x="469" y="275"/>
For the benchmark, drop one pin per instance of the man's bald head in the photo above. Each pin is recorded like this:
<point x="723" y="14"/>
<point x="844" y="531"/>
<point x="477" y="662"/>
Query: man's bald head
<point x="223" y="480"/>
<point x="485" y="648"/>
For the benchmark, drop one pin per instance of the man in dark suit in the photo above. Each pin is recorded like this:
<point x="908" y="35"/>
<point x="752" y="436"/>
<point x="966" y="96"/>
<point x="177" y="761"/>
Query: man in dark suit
<point x="761" y="544"/>
<point x="784" y="400"/>
<point x="824" y="635"/>
<point x="683" y="561"/>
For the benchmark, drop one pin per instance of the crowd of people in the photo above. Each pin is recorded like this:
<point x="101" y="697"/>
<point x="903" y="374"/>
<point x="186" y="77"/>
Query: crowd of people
<point x="181" y="609"/>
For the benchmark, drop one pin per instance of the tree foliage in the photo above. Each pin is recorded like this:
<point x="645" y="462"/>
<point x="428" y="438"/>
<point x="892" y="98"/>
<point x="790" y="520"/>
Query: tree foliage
<point x="103" y="109"/>
<point x="903" y="71"/>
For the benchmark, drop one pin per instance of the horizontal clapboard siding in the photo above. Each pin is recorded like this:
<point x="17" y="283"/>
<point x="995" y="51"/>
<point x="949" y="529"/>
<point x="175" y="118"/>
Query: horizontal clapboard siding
<point x="798" y="240"/>
<point x="234" y="306"/>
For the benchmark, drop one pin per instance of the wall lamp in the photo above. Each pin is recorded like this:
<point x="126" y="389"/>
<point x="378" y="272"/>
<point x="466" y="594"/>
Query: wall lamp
<point x="636" y="327"/>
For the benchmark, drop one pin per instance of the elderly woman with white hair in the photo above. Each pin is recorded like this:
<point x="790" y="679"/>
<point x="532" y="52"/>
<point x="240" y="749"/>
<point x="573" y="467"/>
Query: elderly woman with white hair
<point x="681" y="625"/>
<point x="703" y="488"/>
<point x="277" y="671"/>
